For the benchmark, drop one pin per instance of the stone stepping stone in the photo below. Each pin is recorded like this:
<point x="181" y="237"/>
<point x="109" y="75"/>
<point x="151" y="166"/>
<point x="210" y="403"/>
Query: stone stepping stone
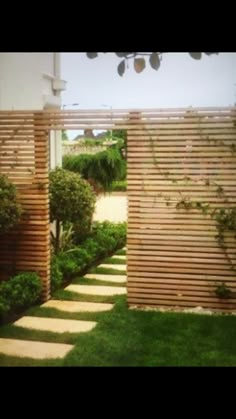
<point x="109" y="278"/>
<point x="77" y="306"/>
<point x="121" y="257"/>
<point x="33" y="349"/>
<point x="96" y="290"/>
<point x="55" y="325"/>
<point x="111" y="266"/>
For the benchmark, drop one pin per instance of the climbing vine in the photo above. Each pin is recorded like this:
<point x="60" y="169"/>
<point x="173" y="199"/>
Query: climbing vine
<point x="224" y="216"/>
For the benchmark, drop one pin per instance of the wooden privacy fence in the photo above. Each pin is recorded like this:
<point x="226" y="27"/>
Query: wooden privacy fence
<point x="24" y="159"/>
<point x="181" y="165"/>
<point x="179" y="160"/>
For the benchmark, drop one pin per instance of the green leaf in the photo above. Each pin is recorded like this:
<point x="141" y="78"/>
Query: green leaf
<point x="196" y="55"/>
<point x="121" y="68"/>
<point x="139" y="64"/>
<point x="154" y="61"/>
<point x="233" y="147"/>
<point x="92" y="55"/>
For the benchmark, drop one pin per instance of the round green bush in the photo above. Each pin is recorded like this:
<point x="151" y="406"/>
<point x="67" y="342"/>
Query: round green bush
<point x="19" y="292"/>
<point x="10" y="209"/>
<point x="71" y="200"/>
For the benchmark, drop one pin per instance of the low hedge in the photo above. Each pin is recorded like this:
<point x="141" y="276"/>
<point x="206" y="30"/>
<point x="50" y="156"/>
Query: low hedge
<point x="104" y="240"/>
<point x="119" y="186"/>
<point x="19" y="293"/>
<point x="10" y="209"/>
<point x="100" y="169"/>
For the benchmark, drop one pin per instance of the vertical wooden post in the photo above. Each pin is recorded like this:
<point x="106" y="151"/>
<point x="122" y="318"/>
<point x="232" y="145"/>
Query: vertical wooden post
<point x="134" y="119"/>
<point x="41" y="141"/>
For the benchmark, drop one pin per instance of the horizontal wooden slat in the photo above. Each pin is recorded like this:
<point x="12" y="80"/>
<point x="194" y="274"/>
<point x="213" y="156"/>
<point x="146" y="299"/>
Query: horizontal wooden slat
<point x="24" y="159"/>
<point x="168" y="161"/>
<point x="164" y="148"/>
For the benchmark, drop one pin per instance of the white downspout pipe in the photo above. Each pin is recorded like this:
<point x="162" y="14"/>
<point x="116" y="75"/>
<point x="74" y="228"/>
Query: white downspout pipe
<point x="56" y="142"/>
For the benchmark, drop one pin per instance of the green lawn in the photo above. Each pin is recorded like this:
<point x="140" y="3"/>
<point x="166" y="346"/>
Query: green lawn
<point x="126" y="337"/>
<point x="114" y="261"/>
<point x="121" y="252"/>
<point x="107" y="271"/>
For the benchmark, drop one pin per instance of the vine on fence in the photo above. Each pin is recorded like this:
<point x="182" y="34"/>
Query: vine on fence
<point x="224" y="216"/>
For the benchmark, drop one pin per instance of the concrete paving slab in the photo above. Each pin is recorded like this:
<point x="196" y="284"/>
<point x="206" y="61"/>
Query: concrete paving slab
<point x="77" y="306"/>
<point x="55" y="325"/>
<point x="33" y="349"/>
<point x="109" y="278"/>
<point x="113" y="266"/>
<point x="96" y="290"/>
<point x="121" y="257"/>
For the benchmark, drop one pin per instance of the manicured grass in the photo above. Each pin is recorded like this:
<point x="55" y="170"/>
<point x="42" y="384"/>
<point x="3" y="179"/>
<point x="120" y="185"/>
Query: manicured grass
<point x="74" y="296"/>
<point x="126" y="337"/>
<point x="137" y="338"/>
<point x="120" y="252"/>
<point x="115" y="261"/>
<point x="107" y="271"/>
<point x="13" y="332"/>
<point x="119" y="186"/>
<point x="54" y="313"/>
<point x="91" y="281"/>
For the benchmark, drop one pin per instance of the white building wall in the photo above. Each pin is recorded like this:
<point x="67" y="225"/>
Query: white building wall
<point x="26" y="82"/>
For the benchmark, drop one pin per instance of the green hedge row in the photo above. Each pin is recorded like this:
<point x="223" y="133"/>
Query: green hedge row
<point x="23" y="290"/>
<point x="19" y="293"/>
<point x="103" y="241"/>
<point x="101" y="168"/>
<point x="119" y="186"/>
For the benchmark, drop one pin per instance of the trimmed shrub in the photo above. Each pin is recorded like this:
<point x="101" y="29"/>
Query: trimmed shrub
<point x="19" y="292"/>
<point x="71" y="200"/>
<point x="10" y="210"/>
<point x="100" y="169"/>
<point x="102" y="232"/>
<point x="67" y="265"/>
<point x="119" y="186"/>
<point x="105" y="238"/>
<point x="56" y="274"/>
<point x="4" y="307"/>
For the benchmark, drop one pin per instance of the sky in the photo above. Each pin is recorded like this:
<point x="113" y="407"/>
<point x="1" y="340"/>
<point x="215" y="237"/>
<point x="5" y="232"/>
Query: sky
<point x="180" y="82"/>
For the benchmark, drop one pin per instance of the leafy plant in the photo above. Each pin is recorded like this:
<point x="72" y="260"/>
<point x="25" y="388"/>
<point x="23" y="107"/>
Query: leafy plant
<point x="64" y="135"/>
<point x="225" y="221"/>
<point x="10" y="209"/>
<point x="104" y="239"/>
<point x="222" y="291"/>
<point x="56" y="275"/>
<point x="100" y="169"/>
<point x="65" y="239"/>
<point x="226" y="218"/>
<point x="184" y="203"/>
<point x="139" y="62"/>
<point x="71" y="199"/>
<point x="19" y="292"/>
<point x="119" y="186"/>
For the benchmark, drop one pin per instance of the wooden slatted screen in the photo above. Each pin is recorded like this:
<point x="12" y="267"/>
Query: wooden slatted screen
<point x="24" y="159"/>
<point x="173" y="257"/>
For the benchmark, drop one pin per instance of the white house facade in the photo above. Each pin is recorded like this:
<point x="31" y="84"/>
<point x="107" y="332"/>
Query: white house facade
<point x="33" y="81"/>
